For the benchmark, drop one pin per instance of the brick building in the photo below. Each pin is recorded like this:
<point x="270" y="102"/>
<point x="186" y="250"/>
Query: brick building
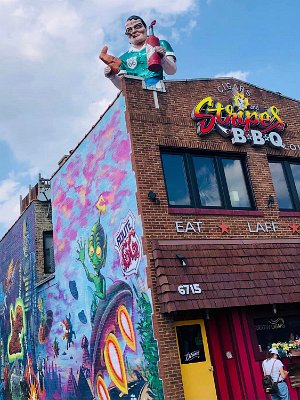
<point x="176" y="225"/>
<point x="219" y="195"/>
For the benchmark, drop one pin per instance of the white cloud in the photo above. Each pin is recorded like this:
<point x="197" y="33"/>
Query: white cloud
<point x="59" y="20"/>
<point x="7" y="187"/>
<point x="10" y="190"/>
<point x="180" y="34"/>
<point x="242" y="75"/>
<point x="5" y="2"/>
<point x="52" y="85"/>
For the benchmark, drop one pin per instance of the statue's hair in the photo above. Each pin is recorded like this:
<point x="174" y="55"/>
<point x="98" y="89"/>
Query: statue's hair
<point x="137" y="17"/>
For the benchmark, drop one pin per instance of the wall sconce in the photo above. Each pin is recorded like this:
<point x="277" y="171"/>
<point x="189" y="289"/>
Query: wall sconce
<point x="206" y="314"/>
<point x="271" y="201"/>
<point x="274" y="309"/>
<point x="153" y="197"/>
<point x="182" y="260"/>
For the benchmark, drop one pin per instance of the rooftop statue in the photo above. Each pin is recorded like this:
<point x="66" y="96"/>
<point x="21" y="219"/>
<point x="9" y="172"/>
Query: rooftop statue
<point x="148" y="57"/>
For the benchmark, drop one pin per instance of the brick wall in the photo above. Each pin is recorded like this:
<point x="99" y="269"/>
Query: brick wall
<point x="171" y="125"/>
<point x="43" y="223"/>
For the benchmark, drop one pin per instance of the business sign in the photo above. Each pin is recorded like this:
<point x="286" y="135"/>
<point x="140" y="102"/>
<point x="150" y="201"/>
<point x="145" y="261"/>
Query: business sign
<point x="239" y="121"/>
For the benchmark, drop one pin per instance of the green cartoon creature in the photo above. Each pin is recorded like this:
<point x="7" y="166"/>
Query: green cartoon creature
<point x="97" y="251"/>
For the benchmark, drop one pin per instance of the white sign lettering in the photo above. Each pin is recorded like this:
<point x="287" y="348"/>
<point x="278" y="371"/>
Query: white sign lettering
<point x="225" y="87"/>
<point x="192" y="355"/>
<point x="193" y="288"/>
<point x="256" y="137"/>
<point x="189" y="226"/>
<point x="292" y="146"/>
<point x="263" y="227"/>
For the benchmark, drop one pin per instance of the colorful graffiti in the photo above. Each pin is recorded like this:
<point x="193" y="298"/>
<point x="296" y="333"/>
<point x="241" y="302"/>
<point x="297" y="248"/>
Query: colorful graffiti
<point x="87" y="333"/>
<point x="18" y="311"/>
<point x="17" y="330"/>
<point x="99" y="339"/>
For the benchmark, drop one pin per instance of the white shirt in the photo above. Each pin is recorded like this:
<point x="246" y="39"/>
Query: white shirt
<point x="267" y="366"/>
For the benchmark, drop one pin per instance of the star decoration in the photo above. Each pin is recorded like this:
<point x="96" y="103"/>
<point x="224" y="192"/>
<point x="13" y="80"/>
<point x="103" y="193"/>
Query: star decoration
<point x="241" y="101"/>
<point x="266" y="138"/>
<point x="101" y="205"/>
<point x="294" y="228"/>
<point x="224" y="228"/>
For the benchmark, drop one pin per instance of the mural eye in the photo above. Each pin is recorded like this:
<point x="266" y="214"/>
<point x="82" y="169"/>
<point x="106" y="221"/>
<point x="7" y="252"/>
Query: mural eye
<point x="91" y="250"/>
<point x="98" y="251"/>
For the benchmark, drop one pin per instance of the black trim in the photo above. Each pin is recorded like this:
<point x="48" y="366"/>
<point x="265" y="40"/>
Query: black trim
<point x="49" y="268"/>
<point x="192" y="184"/>
<point x="290" y="182"/>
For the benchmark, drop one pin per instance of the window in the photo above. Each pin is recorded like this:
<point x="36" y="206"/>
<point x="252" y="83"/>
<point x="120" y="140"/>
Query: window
<point x="177" y="185"/>
<point x="276" y="329"/>
<point x="49" y="264"/>
<point x="206" y="181"/>
<point x="286" y="181"/>
<point x="190" y="343"/>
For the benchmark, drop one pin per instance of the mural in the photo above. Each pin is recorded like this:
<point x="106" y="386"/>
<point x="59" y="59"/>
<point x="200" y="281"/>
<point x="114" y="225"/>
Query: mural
<point x="18" y="311"/>
<point x="95" y="336"/>
<point x="87" y="333"/>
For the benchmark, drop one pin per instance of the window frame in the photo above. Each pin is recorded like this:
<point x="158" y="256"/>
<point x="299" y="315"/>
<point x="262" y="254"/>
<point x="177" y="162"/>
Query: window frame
<point x="290" y="182"/>
<point x="192" y="183"/>
<point x="47" y="234"/>
<point x="265" y="312"/>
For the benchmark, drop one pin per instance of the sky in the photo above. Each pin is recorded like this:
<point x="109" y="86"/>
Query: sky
<point x="52" y="87"/>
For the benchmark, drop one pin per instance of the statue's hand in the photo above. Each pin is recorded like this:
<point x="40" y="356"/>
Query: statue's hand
<point x="112" y="61"/>
<point x="160" y="50"/>
<point x="81" y="251"/>
<point x="107" y="71"/>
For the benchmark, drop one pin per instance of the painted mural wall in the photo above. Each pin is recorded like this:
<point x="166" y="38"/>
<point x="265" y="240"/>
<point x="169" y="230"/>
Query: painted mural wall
<point x="18" y="310"/>
<point x="97" y="338"/>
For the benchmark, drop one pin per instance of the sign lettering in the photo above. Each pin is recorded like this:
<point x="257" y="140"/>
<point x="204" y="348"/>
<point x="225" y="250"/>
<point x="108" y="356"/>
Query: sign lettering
<point x="263" y="227"/>
<point x="239" y="121"/>
<point x="193" y="288"/>
<point x="190" y="226"/>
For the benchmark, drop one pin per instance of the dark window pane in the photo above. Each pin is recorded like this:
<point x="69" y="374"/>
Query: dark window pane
<point x="207" y="181"/>
<point x="49" y="266"/>
<point x="190" y="344"/>
<point x="280" y="185"/>
<point x="296" y="175"/>
<point x="176" y="180"/>
<point x="274" y="330"/>
<point x="236" y="183"/>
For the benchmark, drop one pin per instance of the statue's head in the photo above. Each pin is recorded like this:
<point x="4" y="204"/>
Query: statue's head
<point x="136" y="30"/>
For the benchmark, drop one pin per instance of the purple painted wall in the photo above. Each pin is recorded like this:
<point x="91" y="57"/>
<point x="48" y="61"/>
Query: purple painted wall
<point x="98" y="341"/>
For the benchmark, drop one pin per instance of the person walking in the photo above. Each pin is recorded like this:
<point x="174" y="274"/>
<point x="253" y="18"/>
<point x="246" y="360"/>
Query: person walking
<point x="274" y="367"/>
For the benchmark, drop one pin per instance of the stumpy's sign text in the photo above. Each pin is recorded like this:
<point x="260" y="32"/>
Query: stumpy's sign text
<point x="239" y="121"/>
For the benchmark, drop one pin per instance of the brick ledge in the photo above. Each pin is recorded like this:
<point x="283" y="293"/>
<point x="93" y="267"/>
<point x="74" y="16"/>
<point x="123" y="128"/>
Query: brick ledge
<point x="205" y="211"/>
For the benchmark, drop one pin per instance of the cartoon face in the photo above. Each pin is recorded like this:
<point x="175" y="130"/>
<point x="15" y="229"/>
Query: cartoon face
<point x="97" y="246"/>
<point x="18" y="322"/>
<point x="136" y="32"/>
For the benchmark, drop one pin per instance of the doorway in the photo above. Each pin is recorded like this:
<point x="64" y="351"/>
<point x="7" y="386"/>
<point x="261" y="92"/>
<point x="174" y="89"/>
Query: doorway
<point x="196" y="369"/>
